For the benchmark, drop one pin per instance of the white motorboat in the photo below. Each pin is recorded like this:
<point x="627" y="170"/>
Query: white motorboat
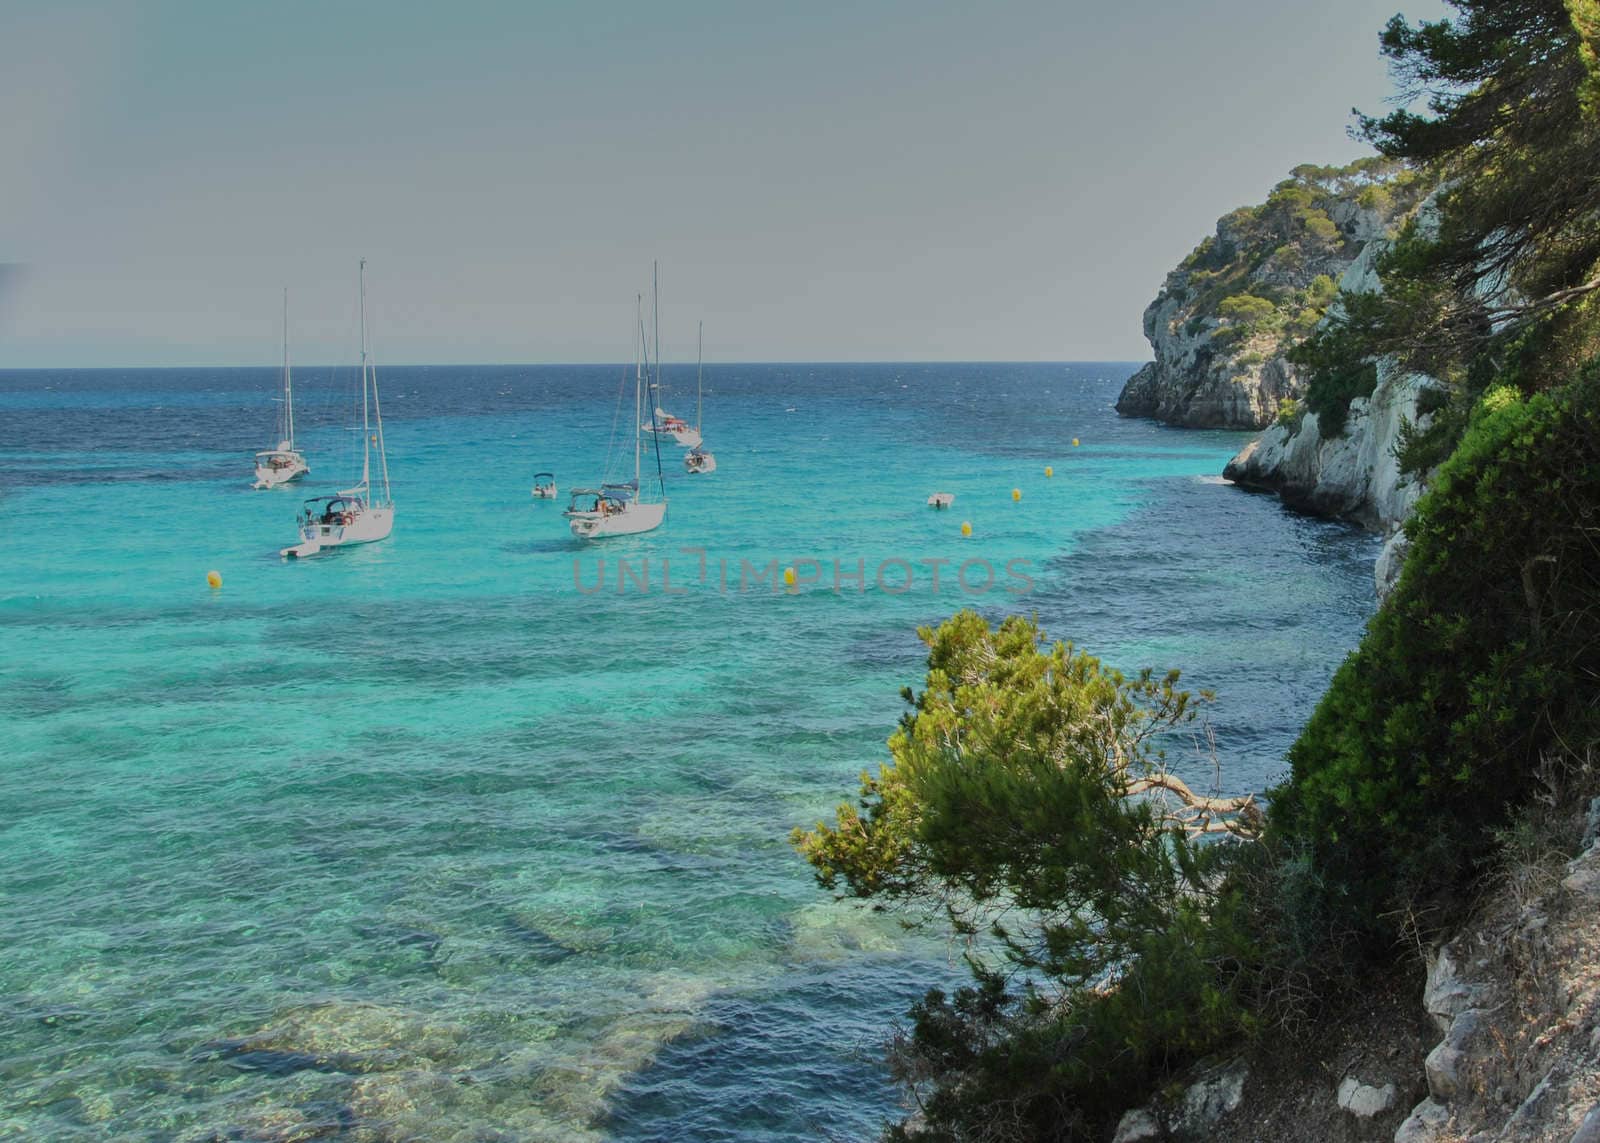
<point x="941" y="499"/>
<point x="355" y="515"/>
<point x="544" y="486"/>
<point x="275" y="466"/>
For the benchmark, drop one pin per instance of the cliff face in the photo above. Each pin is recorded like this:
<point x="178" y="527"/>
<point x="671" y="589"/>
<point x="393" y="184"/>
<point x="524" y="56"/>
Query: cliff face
<point x="1355" y="475"/>
<point x="1225" y="318"/>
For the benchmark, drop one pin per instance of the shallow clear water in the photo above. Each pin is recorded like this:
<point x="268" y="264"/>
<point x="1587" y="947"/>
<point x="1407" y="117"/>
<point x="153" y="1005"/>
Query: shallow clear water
<point x="430" y="839"/>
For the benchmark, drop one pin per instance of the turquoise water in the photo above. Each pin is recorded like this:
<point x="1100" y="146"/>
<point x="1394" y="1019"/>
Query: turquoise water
<point x="432" y="840"/>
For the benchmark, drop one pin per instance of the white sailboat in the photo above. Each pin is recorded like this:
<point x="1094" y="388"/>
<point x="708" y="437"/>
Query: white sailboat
<point x="662" y="423"/>
<point x="699" y="459"/>
<point x="280" y="465"/>
<point x="621" y="509"/>
<point x="355" y="515"/>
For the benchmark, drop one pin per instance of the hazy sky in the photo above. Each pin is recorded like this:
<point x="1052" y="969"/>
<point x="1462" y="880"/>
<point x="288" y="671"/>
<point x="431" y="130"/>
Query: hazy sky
<point x="904" y="180"/>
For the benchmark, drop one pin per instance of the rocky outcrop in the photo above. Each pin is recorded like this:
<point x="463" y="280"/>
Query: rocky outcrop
<point x="1517" y="999"/>
<point x="1208" y="1098"/>
<point x="1500" y="1041"/>
<point x="1225" y="318"/>
<point x="1355" y="475"/>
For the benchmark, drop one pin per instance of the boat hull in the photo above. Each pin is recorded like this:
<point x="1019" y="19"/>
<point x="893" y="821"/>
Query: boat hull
<point x="699" y="465"/>
<point x="369" y="527"/>
<point x="268" y="477"/>
<point x="630" y="521"/>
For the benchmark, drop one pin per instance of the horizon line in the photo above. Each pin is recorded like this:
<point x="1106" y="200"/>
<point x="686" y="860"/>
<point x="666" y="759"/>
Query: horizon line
<point x="582" y="364"/>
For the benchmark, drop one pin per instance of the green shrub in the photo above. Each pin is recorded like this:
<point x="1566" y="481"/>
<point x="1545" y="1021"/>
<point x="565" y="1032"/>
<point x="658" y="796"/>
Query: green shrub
<point x="1483" y="658"/>
<point x="1321" y="291"/>
<point x="1246" y="309"/>
<point x="1322" y="227"/>
<point x="1290" y="413"/>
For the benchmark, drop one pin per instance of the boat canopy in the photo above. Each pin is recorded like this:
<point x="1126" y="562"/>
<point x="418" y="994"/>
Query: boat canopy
<point x="588" y="499"/>
<point x="337" y="503"/>
<point x="538" y="476"/>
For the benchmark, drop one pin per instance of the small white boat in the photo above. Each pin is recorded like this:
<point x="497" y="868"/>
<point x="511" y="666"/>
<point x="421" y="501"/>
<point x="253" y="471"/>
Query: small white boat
<point x="665" y="425"/>
<point x="280" y="465"/>
<point x="699" y="460"/>
<point x="619" y="509"/>
<point x="544" y="486"/>
<point x="941" y="499"/>
<point x="353" y="516"/>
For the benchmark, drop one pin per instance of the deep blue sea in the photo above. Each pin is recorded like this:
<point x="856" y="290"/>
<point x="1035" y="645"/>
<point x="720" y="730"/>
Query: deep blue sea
<point x="469" y="834"/>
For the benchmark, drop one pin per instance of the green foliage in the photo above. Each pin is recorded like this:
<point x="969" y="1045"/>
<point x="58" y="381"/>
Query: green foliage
<point x="1510" y="132"/>
<point x="1246" y="309"/>
<point x="993" y="1063"/>
<point x="1483" y="659"/>
<point x="1027" y="803"/>
<point x="1321" y="227"/>
<point x="1338" y="370"/>
<point x="1420" y="450"/>
<point x="1257" y="271"/>
<point x="1289" y="413"/>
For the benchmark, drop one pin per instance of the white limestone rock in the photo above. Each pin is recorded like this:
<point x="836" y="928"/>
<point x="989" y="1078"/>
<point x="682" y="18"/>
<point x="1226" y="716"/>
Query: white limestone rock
<point x="1137" y="1126"/>
<point x="1447" y="993"/>
<point x="1355" y="475"/>
<point x="1364" y="1100"/>
<point x="1216" y="1095"/>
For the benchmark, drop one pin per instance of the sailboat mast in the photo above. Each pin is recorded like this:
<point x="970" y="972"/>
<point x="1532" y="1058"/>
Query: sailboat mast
<point x="638" y="389"/>
<point x="366" y="458"/>
<point x="655" y="319"/>
<point x="288" y="383"/>
<point x="699" y="367"/>
<point x="655" y="324"/>
<point x="377" y="413"/>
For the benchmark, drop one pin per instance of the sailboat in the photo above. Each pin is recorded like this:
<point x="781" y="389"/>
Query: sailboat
<point x="280" y="465"/>
<point x="355" y="515"/>
<point x="619" y="509"/>
<point x="662" y="423"/>
<point x="699" y="459"/>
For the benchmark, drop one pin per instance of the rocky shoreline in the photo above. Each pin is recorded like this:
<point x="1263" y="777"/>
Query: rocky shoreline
<point x="1353" y="475"/>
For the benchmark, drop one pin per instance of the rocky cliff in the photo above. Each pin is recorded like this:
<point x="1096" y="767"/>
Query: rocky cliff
<point x="1356" y="473"/>
<point x="1227" y="315"/>
<point x="1501" y="1041"/>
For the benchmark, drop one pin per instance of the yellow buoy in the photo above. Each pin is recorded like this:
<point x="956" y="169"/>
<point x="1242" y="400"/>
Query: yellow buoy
<point x="1016" y="494"/>
<point x="1074" y="442"/>
<point x="966" y="528"/>
<point x="1048" y="471"/>
<point x="788" y="576"/>
<point x="214" y="578"/>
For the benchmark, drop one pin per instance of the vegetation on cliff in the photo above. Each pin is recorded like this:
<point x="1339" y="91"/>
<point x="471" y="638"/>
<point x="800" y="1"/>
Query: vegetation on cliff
<point x="1227" y="316"/>
<point x="1497" y="287"/>
<point x="1122" y="924"/>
